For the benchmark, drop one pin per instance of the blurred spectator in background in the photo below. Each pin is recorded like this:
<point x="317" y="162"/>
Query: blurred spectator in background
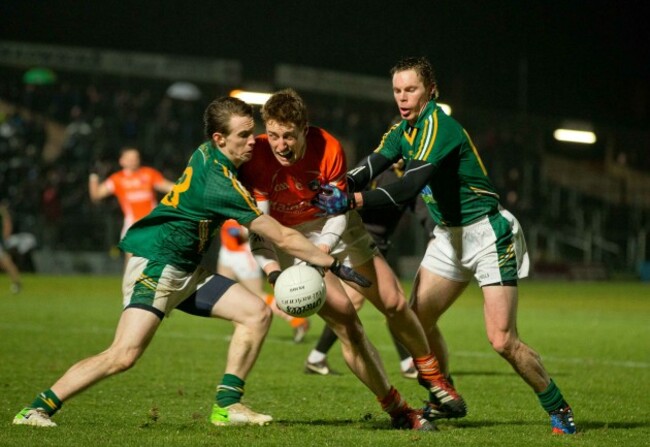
<point x="6" y="261"/>
<point x="134" y="186"/>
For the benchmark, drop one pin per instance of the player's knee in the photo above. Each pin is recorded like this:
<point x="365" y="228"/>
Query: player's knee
<point x="394" y="304"/>
<point x="259" y="318"/>
<point x="123" y="360"/>
<point x="266" y="317"/>
<point x="504" y="344"/>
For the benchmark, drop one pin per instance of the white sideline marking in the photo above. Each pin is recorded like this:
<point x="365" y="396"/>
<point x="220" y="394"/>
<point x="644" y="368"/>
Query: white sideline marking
<point x="382" y="348"/>
<point x="581" y="361"/>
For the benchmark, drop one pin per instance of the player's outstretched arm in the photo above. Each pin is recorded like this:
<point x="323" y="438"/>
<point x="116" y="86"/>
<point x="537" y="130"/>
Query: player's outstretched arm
<point x="97" y="190"/>
<point x="347" y="274"/>
<point x="291" y="241"/>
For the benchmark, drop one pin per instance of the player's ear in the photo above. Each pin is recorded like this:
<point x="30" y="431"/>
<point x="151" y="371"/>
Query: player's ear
<point x="219" y="139"/>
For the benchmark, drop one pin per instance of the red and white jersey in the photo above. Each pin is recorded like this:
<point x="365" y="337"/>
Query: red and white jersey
<point x="135" y="191"/>
<point x="291" y="189"/>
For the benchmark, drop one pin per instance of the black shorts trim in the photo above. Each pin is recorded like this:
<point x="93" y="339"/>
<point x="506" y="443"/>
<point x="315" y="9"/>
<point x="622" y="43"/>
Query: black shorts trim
<point x="160" y="314"/>
<point x="201" y="302"/>
<point x="510" y="282"/>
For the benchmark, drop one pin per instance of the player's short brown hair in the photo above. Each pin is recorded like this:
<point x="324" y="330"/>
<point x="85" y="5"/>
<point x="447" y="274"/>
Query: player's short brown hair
<point x="286" y="107"/>
<point x="423" y="69"/>
<point x="216" y="117"/>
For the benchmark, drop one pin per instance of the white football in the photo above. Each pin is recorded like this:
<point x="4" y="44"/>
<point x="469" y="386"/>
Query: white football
<point x="300" y="291"/>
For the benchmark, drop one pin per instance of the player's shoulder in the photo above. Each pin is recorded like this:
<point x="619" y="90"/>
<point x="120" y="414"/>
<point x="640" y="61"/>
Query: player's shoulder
<point x="149" y="171"/>
<point x="117" y="176"/>
<point x="320" y="141"/>
<point x="320" y="135"/>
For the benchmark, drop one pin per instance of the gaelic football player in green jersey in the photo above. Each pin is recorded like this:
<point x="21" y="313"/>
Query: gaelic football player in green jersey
<point x="164" y="271"/>
<point x="474" y="236"/>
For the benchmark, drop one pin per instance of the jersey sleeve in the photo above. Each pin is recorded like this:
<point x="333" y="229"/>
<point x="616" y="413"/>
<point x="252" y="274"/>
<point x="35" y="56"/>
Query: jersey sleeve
<point x="389" y="146"/>
<point x="112" y="181"/>
<point x="334" y="165"/>
<point x="156" y="176"/>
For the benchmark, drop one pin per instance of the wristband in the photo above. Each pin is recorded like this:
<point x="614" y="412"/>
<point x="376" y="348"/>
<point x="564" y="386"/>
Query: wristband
<point x="273" y="276"/>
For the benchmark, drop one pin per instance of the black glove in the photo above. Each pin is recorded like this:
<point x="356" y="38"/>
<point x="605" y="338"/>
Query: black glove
<point x="273" y="277"/>
<point x="347" y="274"/>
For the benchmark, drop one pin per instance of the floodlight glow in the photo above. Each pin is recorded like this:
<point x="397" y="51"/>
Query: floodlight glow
<point x="257" y="98"/>
<point x="445" y="108"/>
<point x="575" y="136"/>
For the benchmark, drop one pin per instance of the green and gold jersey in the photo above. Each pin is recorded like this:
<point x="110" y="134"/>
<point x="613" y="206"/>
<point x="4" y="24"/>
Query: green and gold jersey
<point x="459" y="191"/>
<point x="181" y="227"/>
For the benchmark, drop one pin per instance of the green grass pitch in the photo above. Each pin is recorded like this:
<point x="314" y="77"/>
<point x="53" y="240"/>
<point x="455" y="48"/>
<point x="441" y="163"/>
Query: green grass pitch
<point x="594" y="339"/>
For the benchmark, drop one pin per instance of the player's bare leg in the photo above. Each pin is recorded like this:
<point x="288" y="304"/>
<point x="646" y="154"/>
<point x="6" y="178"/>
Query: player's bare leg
<point x="252" y="320"/>
<point x="432" y="295"/>
<point x="132" y="336"/>
<point x="387" y="296"/>
<point x="500" y="313"/>
<point x="359" y="354"/>
<point x="362" y="357"/>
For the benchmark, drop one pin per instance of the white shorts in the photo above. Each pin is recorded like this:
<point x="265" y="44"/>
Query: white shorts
<point x="159" y="287"/>
<point x="492" y="249"/>
<point x="356" y="246"/>
<point x="241" y="262"/>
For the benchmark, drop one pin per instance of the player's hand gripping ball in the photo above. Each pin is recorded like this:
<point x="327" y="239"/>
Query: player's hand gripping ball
<point x="300" y="291"/>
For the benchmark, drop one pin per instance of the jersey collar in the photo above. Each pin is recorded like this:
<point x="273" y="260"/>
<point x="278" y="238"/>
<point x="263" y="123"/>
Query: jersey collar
<point x="221" y="158"/>
<point x="426" y="111"/>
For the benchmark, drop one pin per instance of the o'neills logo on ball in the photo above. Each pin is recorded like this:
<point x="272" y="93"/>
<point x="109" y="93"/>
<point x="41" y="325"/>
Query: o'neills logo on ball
<point x="297" y="310"/>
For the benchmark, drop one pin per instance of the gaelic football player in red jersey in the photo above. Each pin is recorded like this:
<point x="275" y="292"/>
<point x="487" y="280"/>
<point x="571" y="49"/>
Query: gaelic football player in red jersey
<point x="290" y="164"/>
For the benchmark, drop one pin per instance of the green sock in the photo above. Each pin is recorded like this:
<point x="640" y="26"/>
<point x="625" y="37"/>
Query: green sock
<point x="230" y="390"/>
<point x="48" y="401"/>
<point x="551" y="398"/>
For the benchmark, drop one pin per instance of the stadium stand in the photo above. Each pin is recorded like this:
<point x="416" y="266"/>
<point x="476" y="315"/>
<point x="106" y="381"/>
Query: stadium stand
<point x="579" y="208"/>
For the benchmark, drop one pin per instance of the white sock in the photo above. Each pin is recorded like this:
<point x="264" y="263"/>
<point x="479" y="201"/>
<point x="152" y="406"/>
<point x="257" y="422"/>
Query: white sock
<point x="406" y="363"/>
<point x="316" y="356"/>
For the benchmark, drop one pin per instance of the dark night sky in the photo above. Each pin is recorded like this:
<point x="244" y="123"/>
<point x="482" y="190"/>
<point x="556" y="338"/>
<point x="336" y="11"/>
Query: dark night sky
<point x="585" y="59"/>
